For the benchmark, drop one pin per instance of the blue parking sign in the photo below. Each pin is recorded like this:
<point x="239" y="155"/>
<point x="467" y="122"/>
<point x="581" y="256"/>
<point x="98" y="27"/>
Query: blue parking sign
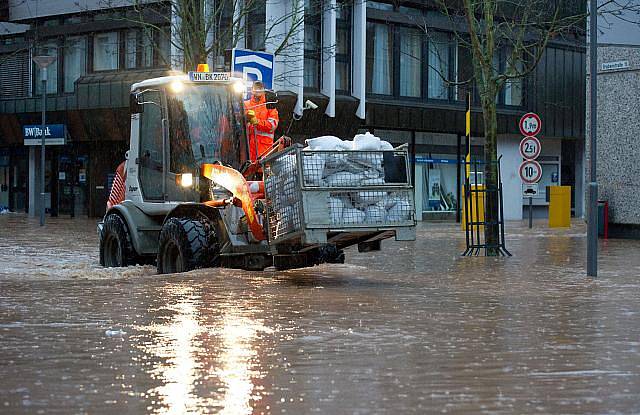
<point x="253" y="66"/>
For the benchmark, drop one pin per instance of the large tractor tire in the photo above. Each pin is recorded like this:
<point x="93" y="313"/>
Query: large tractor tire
<point x="184" y="245"/>
<point x="116" y="249"/>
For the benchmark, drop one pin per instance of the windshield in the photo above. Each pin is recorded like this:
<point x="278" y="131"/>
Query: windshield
<point x="205" y="125"/>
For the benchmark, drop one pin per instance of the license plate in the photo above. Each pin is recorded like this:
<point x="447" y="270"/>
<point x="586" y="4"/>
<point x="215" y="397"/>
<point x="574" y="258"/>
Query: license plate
<point x="209" y="76"/>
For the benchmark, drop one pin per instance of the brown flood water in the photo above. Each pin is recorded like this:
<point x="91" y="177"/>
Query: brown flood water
<point x="412" y="329"/>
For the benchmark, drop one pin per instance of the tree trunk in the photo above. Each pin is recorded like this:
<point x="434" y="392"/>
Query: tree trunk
<point x="491" y="229"/>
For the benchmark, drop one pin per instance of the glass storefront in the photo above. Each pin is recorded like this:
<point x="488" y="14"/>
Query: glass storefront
<point x="439" y="182"/>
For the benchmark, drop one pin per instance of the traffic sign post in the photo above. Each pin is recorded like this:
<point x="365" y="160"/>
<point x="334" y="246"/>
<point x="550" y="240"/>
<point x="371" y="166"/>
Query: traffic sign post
<point x="530" y="124"/>
<point x="530" y="148"/>
<point x="530" y="170"/>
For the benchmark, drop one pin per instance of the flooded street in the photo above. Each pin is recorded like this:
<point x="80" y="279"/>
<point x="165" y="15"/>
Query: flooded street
<point x="412" y="329"/>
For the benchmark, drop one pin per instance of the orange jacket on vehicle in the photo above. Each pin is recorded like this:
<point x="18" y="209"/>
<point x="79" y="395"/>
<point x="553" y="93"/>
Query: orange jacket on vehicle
<point x="261" y="134"/>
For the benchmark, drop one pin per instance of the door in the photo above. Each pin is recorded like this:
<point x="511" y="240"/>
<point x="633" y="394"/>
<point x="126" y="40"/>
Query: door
<point x="151" y="149"/>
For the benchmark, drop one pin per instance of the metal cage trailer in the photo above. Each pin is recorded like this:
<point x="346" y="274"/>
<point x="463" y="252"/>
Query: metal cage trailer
<point x="341" y="198"/>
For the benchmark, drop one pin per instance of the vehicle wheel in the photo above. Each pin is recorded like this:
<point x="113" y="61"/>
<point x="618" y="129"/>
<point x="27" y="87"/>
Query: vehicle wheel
<point x="116" y="249"/>
<point x="185" y="244"/>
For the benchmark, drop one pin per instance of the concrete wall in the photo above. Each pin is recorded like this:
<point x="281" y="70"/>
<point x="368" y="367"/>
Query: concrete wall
<point x="618" y="149"/>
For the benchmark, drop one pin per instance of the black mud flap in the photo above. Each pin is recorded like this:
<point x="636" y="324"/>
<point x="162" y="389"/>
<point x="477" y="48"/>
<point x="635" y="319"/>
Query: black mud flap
<point x="369" y="246"/>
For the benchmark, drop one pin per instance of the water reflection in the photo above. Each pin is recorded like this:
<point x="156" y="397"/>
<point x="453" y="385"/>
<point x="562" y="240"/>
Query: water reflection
<point x="177" y="344"/>
<point x="206" y="360"/>
<point x="237" y="359"/>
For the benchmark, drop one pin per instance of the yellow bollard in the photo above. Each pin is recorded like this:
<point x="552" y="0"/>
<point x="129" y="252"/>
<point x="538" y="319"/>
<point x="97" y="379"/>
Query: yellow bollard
<point x="478" y="200"/>
<point x="559" y="206"/>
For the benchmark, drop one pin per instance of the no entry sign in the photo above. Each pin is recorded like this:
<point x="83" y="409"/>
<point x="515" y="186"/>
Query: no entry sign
<point x="530" y="148"/>
<point x="530" y="124"/>
<point x="530" y="171"/>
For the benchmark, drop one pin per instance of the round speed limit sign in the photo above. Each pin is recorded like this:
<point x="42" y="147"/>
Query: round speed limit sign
<point x="530" y="148"/>
<point x="530" y="171"/>
<point x="530" y="124"/>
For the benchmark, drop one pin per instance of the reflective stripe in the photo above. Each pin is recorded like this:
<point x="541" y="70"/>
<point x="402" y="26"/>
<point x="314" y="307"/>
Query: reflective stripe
<point x="264" y="134"/>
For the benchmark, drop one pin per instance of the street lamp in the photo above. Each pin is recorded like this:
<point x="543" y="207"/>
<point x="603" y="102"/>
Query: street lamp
<point x="43" y="62"/>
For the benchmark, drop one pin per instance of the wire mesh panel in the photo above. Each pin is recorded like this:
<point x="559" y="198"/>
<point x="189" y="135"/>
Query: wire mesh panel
<point x="371" y="208"/>
<point x="354" y="168"/>
<point x="313" y="190"/>
<point x="284" y="199"/>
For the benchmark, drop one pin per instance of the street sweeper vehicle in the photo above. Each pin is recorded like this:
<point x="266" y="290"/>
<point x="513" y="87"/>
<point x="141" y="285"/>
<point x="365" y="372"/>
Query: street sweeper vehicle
<point x="193" y="199"/>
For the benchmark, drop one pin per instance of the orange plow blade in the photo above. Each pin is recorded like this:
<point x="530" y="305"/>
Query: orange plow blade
<point x="234" y="181"/>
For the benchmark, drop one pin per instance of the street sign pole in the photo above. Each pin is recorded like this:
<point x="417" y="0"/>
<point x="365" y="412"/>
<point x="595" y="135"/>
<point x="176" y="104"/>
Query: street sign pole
<point x="592" y="210"/>
<point x="42" y="146"/>
<point x="530" y="212"/>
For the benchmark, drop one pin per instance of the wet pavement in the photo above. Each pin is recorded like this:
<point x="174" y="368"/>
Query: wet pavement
<point x="412" y="329"/>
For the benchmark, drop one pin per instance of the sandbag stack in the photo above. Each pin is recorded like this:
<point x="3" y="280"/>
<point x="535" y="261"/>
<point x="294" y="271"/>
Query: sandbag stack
<point x="354" y="164"/>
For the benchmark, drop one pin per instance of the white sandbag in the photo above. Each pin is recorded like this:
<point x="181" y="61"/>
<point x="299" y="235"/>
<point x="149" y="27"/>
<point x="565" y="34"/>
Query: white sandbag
<point x="366" y="142"/>
<point x="336" y="207"/>
<point x="368" y="198"/>
<point x="344" y="179"/>
<point x="366" y="159"/>
<point x="313" y="169"/>
<point x="374" y="213"/>
<point x="400" y="212"/>
<point x="352" y="216"/>
<point x="344" y="145"/>
<point x="326" y="142"/>
<point x="385" y="146"/>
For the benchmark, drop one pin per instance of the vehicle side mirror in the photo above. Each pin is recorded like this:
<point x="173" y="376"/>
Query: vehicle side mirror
<point x="135" y="103"/>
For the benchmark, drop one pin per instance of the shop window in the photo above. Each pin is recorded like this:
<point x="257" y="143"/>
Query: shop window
<point x="256" y="24"/>
<point x="51" y="49"/>
<point x="379" y="58"/>
<point x="439" y="183"/>
<point x="106" y="51"/>
<point x="411" y="62"/>
<point x="439" y="63"/>
<point x="75" y="61"/>
<point x="343" y="47"/>
<point x="131" y="49"/>
<point x="312" y="43"/>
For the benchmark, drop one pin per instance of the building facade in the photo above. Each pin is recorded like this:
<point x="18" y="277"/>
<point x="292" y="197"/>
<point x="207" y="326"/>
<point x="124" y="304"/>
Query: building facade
<point x="367" y="65"/>
<point x="617" y="144"/>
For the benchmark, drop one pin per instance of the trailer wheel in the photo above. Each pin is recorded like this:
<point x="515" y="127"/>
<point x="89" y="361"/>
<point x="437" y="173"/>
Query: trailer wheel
<point x="116" y="249"/>
<point x="184" y="244"/>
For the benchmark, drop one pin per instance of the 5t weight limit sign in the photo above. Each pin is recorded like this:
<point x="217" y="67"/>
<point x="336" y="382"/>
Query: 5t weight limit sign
<point x="530" y="148"/>
<point x="530" y="171"/>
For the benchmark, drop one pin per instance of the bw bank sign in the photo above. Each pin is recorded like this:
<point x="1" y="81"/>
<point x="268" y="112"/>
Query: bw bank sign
<point x="253" y="65"/>
<point x="54" y="134"/>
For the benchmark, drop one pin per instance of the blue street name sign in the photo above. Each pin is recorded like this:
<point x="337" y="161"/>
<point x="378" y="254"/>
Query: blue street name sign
<point x="54" y="134"/>
<point x="253" y="66"/>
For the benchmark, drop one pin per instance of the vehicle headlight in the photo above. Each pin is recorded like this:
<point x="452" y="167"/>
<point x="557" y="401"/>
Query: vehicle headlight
<point x="176" y="86"/>
<point x="186" y="180"/>
<point x="239" y="87"/>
